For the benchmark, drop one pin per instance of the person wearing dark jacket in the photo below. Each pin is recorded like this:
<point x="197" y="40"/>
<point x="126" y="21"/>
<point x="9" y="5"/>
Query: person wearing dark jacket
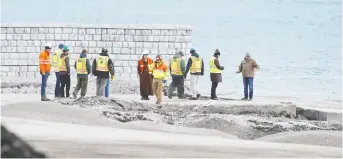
<point x="83" y="69"/>
<point x="102" y="68"/>
<point x="64" y="69"/>
<point x="195" y="66"/>
<point x="144" y="71"/>
<point x="215" y="73"/>
<point x="177" y="71"/>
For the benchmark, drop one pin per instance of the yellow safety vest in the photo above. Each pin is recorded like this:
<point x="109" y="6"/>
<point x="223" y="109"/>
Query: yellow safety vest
<point x="158" y="72"/>
<point x="62" y="64"/>
<point x="176" y="67"/>
<point x="213" y="67"/>
<point x="102" y="63"/>
<point x="196" y="64"/>
<point x="56" y="58"/>
<point x="81" y="65"/>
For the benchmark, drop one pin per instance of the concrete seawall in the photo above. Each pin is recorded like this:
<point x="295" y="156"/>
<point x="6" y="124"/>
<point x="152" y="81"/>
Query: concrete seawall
<point x="22" y="43"/>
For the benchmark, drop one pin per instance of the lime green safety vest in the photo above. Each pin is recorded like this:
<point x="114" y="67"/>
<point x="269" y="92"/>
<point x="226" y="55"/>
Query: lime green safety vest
<point x="176" y="67"/>
<point x="81" y="66"/>
<point x="56" y="58"/>
<point x="213" y="67"/>
<point x="102" y="63"/>
<point x="62" y="64"/>
<point x="196" y="64"/>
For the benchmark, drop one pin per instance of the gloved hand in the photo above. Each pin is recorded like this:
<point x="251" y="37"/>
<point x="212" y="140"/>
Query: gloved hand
<point x="112" y="78"/>
<point x="164" y="81"/>
<point x="42" y="73"/>
<point x="222" y="67"/>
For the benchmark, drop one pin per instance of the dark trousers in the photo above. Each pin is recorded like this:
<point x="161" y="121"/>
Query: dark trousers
<point x="82" y="82"/>
<point x="44" y="83"/>
<point x="65" y="82"/>
<point x="178" y="82"/>
<point x="214" y="89"/>
<point x="248" y="83"/>
<point x="145" y="81"/>
<point x="58" y="84"/>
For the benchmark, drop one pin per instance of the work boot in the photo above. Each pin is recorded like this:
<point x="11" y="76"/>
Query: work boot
<point x="158" y="102"/>
<point x="170" y="97"/>
<point x="182" y="97"/>
<point x="193" y="98"/>
<point x="245" y="98"/>
<point x="44" y="98"/>
<point x="198" y="96"/>
<point x="250" y="98"/>
<point x="147" y="98"/>
<point x="215" y="98"/>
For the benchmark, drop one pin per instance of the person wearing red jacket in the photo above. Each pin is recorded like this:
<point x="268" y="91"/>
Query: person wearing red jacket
<point x="44" y="69"/>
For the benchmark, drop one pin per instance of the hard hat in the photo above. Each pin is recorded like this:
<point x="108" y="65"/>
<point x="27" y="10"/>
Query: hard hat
<point x="145" y="52"/>
<point x="104" y="50"/>
<point x="60" y="46"/>
<point x="48" y="46"/>
<point x="65" y="48"/>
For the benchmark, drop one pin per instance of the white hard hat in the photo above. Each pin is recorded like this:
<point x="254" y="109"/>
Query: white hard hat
<point x="145" y="52"/>
<point x="48" y="45"/>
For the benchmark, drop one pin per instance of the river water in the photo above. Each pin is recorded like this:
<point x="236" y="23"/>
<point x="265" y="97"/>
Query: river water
<point x="297" y="43"/>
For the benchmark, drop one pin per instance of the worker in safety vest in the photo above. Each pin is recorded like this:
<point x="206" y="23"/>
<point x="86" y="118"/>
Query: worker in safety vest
<point x="83" y="69"/>
<point x="44" y="69"/>
<point x="215" y="73"/>
<point x="64" y="68"/>
<point x="177" y="71"/>
<point x="102" y="68"/>
<point x="144" y="72"/>
<point x="160" y="74"/>
<point x="54" y="64"/>
<point x="195" y="66"/>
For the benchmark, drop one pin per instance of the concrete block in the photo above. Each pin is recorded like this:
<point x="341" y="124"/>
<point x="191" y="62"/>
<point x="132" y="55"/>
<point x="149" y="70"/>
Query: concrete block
<point x="3" y="37"/>
<point x="3" y="30"/>
<point x="146" y="32"/>
<point x="125" y="51"/>
<point x="104" y="31"/>
<point x="75" y="30"/>
<point x="67" y="30"/>
<point x="30" y="74"/>
<point x="171" y="51"/>
<point x="128" y="37"/>
<point x="100" y="44"/>
<point x="92" y="50"/>
<point x="92" y="44"/>
<point x="84" y="43"/>
<point x="132" y="50"/>
<point x="33" y="36"/>
<point x="134" y="63"/>
<point x="105" y="37"/>
<point x="43" y="30"/>
<point x="73" y="37"/>
<point x="181" y="32"/>
<point x="117" y="57"/>
<point x="138" y="32"/>
<point x="88" y="37"/>
<point x="118" y="63"/>
<point x="22" y="74"/>
<point x="97" y="37"/>
<point x="118" y="44"/>
<point x="139" y="45"/>
<point x="147" y="45"/>
<point x="170" y="45"/>
<point x="27" y="30"/>
<point x="138" y="38"/>
<point x="82" y="31"/>
<point x="132" y="44"/>
<point x="108" y="44"/>
<point x="51" y="30"/>
<point x="17" y="36"/>
<point x="50" y="36"/>
<point x="34" y="31"/>
<point x="125" y="44"/>
<point x="111" y="31"/>
<point x="14" y="56"/>
<point x="58" y="36"/>
<point x="9" y="62"/>
<point x="156" y="32"/>
<point x="58" y="31"/>
<point x="163" y="45"/>
<point x="156" y="38"/>
<point x="5" y="68"/>
<point x="3" y="49"/>
<point x="177" y="45"/>
<point x="90" y="31"/>
<point x="116" y="50"/>
<point x="26" y="36"/>
<point x="10" y="31"/>
<point x="184" y="45"/>
<point x="32" y="56"/>
<point x="180" y="39"/>
<point x="189" y="32"/>
<point x="19" y="30"/>
<point x="81" y="37"/>
<point x="19" y="43"/>
<point x="125" y="57"/>
<point x="11" y="74"/>
<point x="120" y="32"/>
<point x="145" y="38"/>
<point x="154" y="51"/>
<point x="22" y="62"/>
<point x="150" y="38"/>
<point x="14" y="68"/>
<point x="164" y="38"/>
<point x="127" y="69"/>
<point x="30" y="49"/>
<point x="11" y="49"/>
<point x="138" y="51"/>
<point x="130" y="32"/>
<point x="118" y="69"/>
<point x="65" y="37"/>
<point x="41" y="37"/>
<point x="37" y="43"/>
<point x="165" y="32"/>
<point x="23" y="56"/>
<point x="77" y="50"/>
<point x="188" y="39"/>
<point x="112" y="37"/>
<point x="32" y="68"/>
<point x="172" y="32"/>
<point x="70" y="43"/>
<point x="8" y="43"/>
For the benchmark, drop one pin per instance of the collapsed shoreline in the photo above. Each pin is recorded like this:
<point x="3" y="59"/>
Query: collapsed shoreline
<point x="246" y="124"/>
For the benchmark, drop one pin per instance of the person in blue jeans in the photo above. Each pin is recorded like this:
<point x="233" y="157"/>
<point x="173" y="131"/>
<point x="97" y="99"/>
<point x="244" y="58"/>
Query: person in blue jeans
<point x="107" y="88"/>
<point x="247" y="68"/>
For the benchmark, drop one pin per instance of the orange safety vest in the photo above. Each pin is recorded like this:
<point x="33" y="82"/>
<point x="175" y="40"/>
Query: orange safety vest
<point x="44" y="61"/>
<point x="141" y="65"/>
